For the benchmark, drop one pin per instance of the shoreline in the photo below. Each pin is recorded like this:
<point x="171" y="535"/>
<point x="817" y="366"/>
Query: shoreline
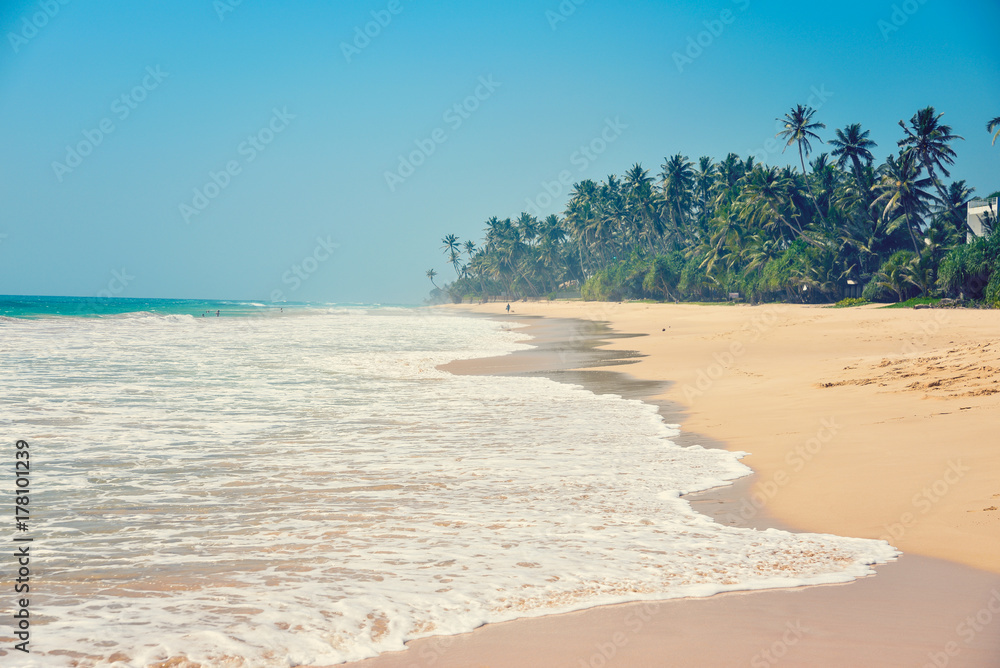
<point x="865" y="422"/>
<point x="907" y="614"/>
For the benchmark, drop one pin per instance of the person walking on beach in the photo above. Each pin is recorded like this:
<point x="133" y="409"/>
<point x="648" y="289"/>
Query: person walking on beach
<point x="508" y="308"/>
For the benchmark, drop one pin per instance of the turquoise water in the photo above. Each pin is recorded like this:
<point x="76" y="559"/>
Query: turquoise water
<point x="20" y="306"/>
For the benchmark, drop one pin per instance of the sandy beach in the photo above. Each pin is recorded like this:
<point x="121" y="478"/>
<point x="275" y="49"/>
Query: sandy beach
<point x="862" y="422"/>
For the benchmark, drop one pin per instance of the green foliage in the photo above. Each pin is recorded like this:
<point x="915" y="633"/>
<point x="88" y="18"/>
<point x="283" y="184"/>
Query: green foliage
<point x="638" y="277"/>
<point x="663" y="276"/>
<point x="895" y="276"/>
<point x="967" y="269"/>
<point x="873" y="292"/>
<point x="602" y="287"/>
<point x="851" y="301"/>
<point x="914" y="301"/>
<point x="992" y="293"/>
<point x="700" y="230"/>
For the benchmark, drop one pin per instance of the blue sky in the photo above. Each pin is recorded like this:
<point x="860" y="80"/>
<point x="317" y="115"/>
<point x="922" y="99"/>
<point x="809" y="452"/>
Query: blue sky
<point x="239" y="150"/>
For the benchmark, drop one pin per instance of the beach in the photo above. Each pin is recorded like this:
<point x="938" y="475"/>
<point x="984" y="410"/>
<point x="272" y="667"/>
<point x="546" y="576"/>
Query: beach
<point x="862" y="422"/>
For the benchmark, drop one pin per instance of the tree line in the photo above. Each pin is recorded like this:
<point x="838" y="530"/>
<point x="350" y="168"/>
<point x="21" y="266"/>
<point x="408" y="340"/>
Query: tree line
<point x="843" y="226"/>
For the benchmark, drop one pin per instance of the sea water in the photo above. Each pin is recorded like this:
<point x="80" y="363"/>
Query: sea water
<point x="281" y="487"/>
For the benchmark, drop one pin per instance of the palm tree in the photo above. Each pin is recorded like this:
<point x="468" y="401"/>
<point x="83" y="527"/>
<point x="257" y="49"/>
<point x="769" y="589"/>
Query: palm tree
<point x="452" y="247"/>
<point x="799" y="128"/>
<point x="704" y="180"/>
<point x="953" y="208"/>
<point x="640" y="204"/>
<point x="678" y="180"/>
<point x="901" y="188"/>
<point x="897" y="273"/>
<point x="699" y="231"/>
<point x="994" y="124"/>
<point x="431" y="274"/>
<point x="528" y="227"/>
<point x="853" y="145"/>
<point x="928" y="139"/>
<point x="765" y="199"/>
<point x="863" y="234"/>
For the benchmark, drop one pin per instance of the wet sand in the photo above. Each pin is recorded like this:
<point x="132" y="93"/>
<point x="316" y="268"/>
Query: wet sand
<point x="917" y="611"/>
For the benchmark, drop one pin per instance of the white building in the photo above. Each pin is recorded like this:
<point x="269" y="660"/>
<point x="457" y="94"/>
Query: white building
<point x="978" y="208"/>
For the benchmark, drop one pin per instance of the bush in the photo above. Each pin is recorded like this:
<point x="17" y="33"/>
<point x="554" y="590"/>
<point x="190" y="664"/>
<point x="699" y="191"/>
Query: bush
<point x="992" y="292"/>
<point x="897" y="276"/>
<point x="625" y="279"/>
<point x="851" y="301"/>
<point x="874" y="292"/>
<point x="602" y="287"/>
<point x="663" y="275"/>
<point x="968" y="269"/>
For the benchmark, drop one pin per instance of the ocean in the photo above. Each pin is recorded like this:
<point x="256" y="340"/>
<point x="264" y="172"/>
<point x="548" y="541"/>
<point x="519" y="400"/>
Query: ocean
<point x="299" y="484"/>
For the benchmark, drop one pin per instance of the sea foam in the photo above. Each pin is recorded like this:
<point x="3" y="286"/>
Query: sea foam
<point x="312" y="489"/>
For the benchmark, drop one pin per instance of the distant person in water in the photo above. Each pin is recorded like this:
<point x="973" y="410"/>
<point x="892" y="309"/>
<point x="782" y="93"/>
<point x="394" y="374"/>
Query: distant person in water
<point x="508" y="308"/>
<point x="216" y="313"/>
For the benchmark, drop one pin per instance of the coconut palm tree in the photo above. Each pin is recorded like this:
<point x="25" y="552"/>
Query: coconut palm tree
<point x="677" y="177"/>
<point x="994" y="124"/>
<point x="452" y="247"/>
<point x="699" y="231"/>
<point x="900" y="188"/>
<point x="928" y="139"/>
<point x="640" y="202"/>
<point x="953" y="208"/>
<point x="527" y="225"/>
<point x="799" y="129"/>
<point x="897" y="273"/>
<point x="864" y="234"/>
<point x="431" y="274"/>
<point x="853" y="145"/>
<point x="704" y="180"/>
<point x="765" y="201"/>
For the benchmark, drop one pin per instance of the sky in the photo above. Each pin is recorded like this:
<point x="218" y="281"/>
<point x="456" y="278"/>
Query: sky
<point x="316" y="151"/>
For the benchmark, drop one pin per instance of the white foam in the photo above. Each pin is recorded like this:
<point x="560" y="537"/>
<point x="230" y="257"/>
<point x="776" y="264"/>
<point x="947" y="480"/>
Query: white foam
<point x="313" y="490"/>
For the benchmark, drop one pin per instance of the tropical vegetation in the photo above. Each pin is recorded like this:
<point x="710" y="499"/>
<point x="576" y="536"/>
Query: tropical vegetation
<point x="838" y="226"/>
